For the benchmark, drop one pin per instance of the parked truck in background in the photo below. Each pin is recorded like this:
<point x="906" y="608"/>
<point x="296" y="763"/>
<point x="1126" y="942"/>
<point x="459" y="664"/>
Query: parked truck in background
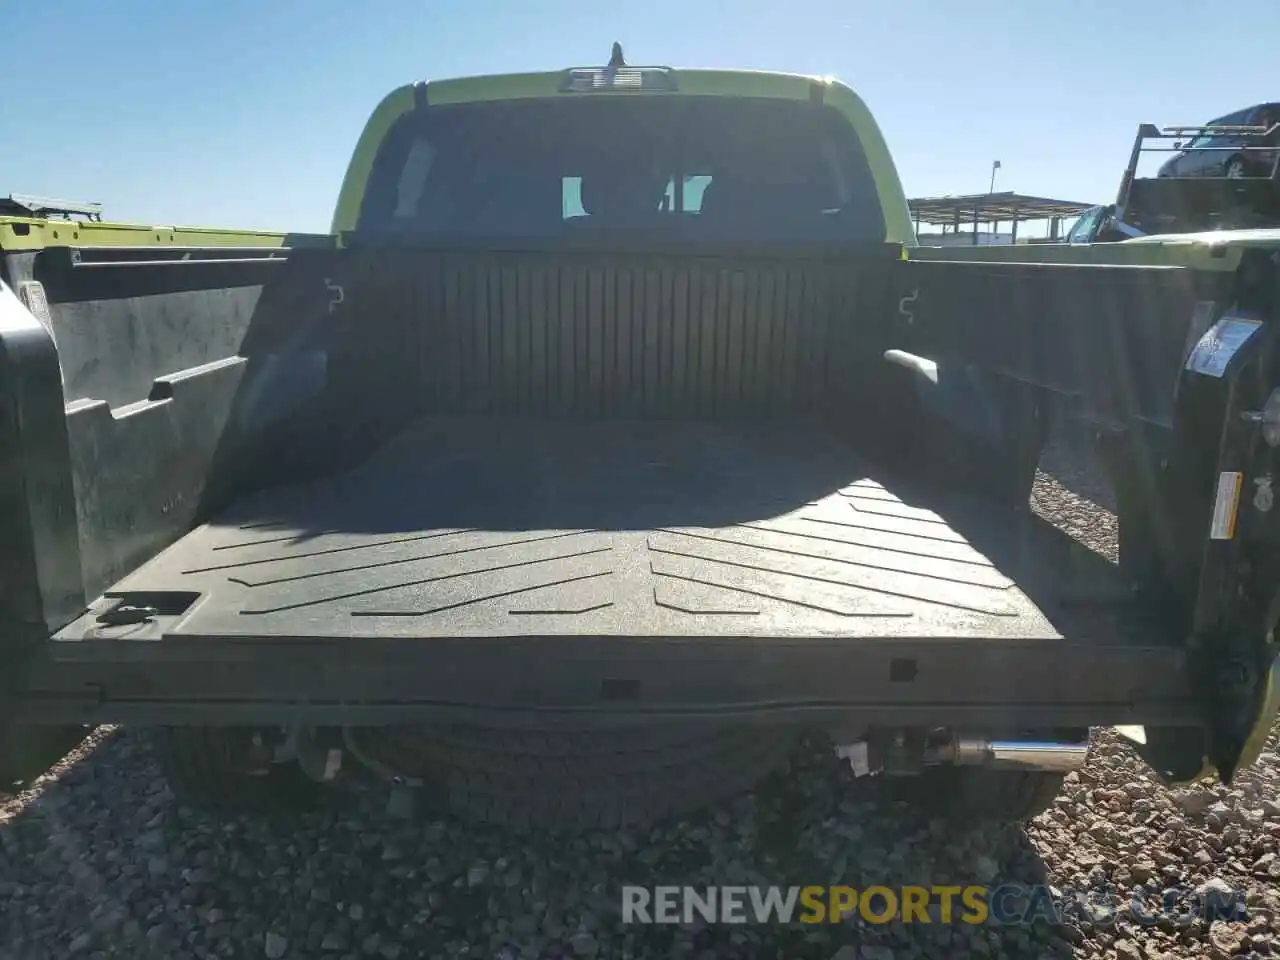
<point x="618" y="436"/>
<point x="1222" y="179"/>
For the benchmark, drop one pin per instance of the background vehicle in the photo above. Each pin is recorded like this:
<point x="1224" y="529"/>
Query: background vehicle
<point x="617" y="437"/>
<point x="1100" y="225"/>
<point x="1216" y="149"/>
<point x="1228" y="182"/>
<point x="1085" y="229"/>
<point x="1176" y="204"/>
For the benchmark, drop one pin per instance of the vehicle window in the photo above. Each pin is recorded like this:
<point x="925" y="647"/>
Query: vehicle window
<point x="417" y="167"/>
<point x="571" y="198"/>
<point x="1269" y="117"/>
<point x="1239" y="118"/>
<point x="1081" y="231"/>
<point x="747" y="169"/>
<point x="695" y="187"/>
<point x="1206" y="140"/>
<point x="690" y="200"/>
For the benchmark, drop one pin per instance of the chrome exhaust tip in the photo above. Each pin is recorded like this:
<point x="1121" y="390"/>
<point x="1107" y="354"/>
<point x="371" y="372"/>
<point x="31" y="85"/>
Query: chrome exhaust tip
<point x="1042" y="755"/>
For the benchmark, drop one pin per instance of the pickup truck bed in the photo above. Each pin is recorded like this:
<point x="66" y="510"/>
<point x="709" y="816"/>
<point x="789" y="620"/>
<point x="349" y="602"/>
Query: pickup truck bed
<point x="481" y="460"/>
<point x="511" y="569"/>
<point x="475" y="528"/>
<point x="514" y="502"/>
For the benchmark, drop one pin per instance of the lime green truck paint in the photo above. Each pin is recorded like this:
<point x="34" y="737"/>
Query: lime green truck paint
<point x="1218" y="250"/>
<point x="31" y="233"/>
<point x="689" y="83"/>
<point x="1253" y="238"/>
<point x="1196" y="256"/>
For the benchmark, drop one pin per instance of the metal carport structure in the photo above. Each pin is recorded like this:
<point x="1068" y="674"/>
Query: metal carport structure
<point x="994" y="208"/>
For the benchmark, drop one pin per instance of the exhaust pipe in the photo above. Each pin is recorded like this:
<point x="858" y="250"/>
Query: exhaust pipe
<point x="894" y="759"/>
<point x="1041" y="755"/>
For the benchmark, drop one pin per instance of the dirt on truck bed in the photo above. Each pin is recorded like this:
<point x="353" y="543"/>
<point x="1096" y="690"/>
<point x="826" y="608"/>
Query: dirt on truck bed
<point x="505" y="528"/>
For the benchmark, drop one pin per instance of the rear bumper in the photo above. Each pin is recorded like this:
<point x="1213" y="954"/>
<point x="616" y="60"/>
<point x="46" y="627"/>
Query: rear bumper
<point x="592" y="682"/>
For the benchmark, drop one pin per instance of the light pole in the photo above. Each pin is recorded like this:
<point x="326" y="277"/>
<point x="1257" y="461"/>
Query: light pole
<point x="995" y="165"/>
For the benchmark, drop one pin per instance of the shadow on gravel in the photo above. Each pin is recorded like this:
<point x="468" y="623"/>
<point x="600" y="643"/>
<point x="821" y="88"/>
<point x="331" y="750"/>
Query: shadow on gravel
<point x="101" y="862"/>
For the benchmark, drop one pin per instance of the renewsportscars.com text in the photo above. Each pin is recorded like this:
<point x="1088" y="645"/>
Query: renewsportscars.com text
<point x="1005" y="905"/>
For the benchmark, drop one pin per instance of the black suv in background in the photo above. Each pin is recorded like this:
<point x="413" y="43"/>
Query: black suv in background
<point x="1207" y="156"/>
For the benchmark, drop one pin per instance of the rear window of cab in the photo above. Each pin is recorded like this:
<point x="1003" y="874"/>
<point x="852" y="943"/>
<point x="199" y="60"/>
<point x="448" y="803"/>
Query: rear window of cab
<point x="701" y="167"/>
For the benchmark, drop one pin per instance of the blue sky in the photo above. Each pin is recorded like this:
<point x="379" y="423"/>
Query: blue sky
<point x="243" y="113"/>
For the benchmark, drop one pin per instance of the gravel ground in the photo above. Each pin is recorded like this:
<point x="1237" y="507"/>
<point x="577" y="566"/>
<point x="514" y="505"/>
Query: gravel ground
<point x="97" y="860"/>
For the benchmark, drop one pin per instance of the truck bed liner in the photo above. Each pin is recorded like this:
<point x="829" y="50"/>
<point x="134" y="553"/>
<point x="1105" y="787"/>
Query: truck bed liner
<point x="507" y="528"/>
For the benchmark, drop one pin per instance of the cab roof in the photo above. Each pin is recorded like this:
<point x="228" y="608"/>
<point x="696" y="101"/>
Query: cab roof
<point x="628" y="81"/>
<point x="621" y="80"/>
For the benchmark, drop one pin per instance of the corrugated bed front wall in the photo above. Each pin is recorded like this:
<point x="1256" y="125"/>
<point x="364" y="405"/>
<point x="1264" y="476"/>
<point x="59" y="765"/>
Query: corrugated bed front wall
<point x="606" y="335"/>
